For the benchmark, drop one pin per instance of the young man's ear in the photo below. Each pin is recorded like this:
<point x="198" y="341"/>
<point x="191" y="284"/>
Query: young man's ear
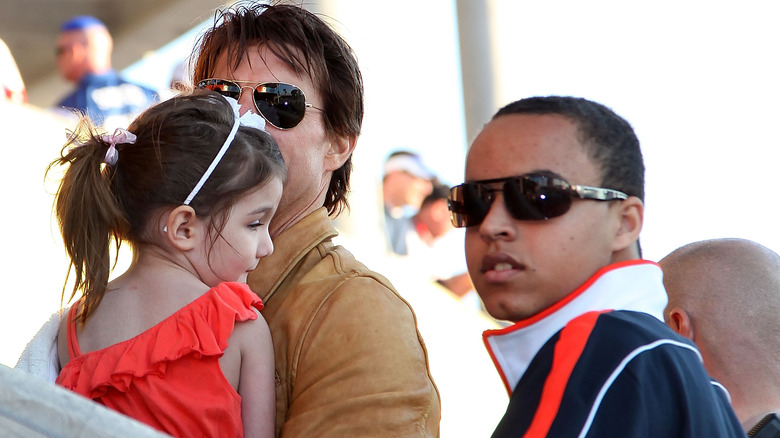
<point x="182" y="228"/>
<point x="680" y="322"/>
<point x="631" y="213"/>
<point x="341" y="148"/>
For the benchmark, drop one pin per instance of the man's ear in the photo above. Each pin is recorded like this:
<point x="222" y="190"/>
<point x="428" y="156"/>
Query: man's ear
<point x="341" y="148"/>
<point x="182" y="228"/>
<point x="680" y="322"/>
<point x="440" y="211"/>
<point x="631" y="213"/>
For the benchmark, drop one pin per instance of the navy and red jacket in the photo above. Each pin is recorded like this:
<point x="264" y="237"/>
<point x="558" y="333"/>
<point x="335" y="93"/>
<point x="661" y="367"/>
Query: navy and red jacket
<point x="601" y="363"/>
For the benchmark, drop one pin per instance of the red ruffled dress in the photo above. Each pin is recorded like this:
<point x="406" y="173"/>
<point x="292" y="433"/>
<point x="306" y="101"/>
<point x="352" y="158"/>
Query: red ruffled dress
<point x="169" y="376"/>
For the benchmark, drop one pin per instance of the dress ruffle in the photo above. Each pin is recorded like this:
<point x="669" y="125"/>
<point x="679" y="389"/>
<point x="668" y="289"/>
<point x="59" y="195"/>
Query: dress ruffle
<point x="201" y="328"/>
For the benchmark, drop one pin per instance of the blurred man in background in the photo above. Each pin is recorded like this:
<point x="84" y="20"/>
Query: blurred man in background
<point x="406" y="182"/>
<point x="433" y="242"/>
<point x="84" y="49"/>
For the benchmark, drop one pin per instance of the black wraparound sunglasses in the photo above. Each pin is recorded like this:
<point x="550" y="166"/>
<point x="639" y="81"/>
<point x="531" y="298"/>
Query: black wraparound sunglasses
<point x="530" y="197"/>
<point x="282" y="105"/>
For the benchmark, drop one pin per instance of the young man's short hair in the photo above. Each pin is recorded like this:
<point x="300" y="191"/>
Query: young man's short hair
<point x="609" y="139"/>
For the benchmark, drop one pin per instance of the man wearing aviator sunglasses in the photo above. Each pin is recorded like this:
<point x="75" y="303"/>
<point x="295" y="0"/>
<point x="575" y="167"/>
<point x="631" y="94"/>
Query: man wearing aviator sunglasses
<point x="282" y="105"/>
<point x="349" y="359"/>
<point x="552" y="207"/>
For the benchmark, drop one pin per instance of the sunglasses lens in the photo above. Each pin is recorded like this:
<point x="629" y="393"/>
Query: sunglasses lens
<point x="282" y="105"/>
<point x="527" y="198"/>
<point x="469" y="204"/>
<point x="537" y="197"/>
<point x="225" y="88"/>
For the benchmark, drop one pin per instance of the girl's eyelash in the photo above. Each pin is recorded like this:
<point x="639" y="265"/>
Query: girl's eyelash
<point x="255" y="224"/>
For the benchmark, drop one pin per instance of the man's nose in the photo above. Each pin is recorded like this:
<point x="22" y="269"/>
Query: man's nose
<point x="246" y="100"/>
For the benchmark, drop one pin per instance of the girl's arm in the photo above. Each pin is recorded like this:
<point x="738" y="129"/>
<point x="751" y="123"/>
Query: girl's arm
<point x="256" y="381"/>
<point x="63" y="354"/>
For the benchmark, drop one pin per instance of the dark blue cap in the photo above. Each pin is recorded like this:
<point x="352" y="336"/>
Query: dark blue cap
<point x="81" y="22"/>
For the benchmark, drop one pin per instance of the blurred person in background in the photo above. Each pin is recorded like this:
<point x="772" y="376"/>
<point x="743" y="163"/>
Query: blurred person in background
<point x="11" y="83"/>
<point x="406" y="182"/>
<point x="84" y="48"/>
<point x="434" y="243"/>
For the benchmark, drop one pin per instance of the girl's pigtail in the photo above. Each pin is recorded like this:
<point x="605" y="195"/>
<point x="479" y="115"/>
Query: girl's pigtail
<point x="89" y="214"/>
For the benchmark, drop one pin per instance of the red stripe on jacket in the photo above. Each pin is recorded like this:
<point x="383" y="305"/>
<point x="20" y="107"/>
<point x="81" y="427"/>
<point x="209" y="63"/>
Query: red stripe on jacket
<point x="567" y="352"/>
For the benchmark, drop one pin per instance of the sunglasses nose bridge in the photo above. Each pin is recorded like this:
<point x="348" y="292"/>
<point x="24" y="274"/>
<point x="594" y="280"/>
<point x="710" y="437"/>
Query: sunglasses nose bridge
<point x="241" y="89"/>
<point x="246" y="104"/>
<point x="489" y="197"/>
<point x="490" y="193"/>
<point x="498" y="222"/>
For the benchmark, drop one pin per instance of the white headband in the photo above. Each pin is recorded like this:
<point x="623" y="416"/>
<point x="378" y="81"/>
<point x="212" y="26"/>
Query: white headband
<point x="248" y="119"/>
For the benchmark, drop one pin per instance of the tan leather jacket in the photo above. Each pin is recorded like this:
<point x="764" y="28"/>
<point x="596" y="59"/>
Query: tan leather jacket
<point x="349" y="359"/>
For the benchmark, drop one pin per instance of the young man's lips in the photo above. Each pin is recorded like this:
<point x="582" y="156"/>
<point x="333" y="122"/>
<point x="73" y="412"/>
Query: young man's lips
<point x="499" y="267"/>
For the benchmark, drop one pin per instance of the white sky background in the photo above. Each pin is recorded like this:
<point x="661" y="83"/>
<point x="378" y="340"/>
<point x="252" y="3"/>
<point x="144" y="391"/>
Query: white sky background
<point x="698" y="81"/>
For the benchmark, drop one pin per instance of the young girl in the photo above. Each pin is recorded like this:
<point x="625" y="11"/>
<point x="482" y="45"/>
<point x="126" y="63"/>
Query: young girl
<point x="176" y="341"/>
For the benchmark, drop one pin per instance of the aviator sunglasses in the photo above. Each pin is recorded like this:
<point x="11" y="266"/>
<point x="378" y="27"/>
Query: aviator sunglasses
<point x="530" y="197"/>
<point x="282" y="105"/>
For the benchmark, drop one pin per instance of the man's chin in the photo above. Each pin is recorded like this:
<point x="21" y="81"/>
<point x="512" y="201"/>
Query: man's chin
<point x="504" y="310"/>
<point x="499" y="311"/>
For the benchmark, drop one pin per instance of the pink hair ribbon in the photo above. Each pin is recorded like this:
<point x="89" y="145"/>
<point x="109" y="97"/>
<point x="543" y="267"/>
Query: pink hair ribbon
<point x="118" y="137"/>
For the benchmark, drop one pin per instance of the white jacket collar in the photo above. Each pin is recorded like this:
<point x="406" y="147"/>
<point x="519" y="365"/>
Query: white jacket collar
<point x="633" y="285"/>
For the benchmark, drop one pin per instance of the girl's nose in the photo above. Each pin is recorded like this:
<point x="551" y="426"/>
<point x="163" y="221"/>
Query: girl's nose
<point x="266" y="246"/>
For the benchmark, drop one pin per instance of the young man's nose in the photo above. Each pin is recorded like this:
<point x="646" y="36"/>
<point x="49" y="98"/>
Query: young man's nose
<point x="498" y="222"/>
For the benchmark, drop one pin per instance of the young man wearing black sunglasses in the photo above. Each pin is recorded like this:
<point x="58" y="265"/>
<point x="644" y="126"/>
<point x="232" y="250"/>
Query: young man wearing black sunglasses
<point x="349" y="359"/>
<point x="553" y="207"/>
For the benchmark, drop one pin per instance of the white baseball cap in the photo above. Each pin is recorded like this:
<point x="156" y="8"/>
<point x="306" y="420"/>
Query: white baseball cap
<point x="410" y="163"/>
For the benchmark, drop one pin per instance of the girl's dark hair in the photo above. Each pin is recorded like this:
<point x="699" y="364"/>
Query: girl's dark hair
<point x="310" y="47"/>
<point x="98" y="204"/>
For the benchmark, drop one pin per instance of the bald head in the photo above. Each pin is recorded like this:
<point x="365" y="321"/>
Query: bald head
<point x="724" y="295"/>
<point x="734" y="278"/>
